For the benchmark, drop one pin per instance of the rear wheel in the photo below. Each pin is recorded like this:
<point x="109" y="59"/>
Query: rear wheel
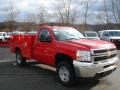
<point x="21" y="61"/>
<point x="65" y="73"/>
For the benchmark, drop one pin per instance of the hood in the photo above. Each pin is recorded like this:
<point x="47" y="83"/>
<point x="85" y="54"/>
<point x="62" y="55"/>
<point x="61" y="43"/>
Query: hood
<point x="114" y="37"/>
<point x="92" y="44"/>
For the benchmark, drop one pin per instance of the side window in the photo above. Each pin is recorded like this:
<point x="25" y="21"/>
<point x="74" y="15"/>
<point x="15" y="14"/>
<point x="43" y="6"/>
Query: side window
<point x="105" y="34"/>
<point x="44" y="36"/>
<point x="4" y="34"/>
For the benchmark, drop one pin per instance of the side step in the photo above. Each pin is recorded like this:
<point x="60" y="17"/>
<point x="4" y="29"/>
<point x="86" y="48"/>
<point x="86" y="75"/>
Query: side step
<point x="46" y="67"/>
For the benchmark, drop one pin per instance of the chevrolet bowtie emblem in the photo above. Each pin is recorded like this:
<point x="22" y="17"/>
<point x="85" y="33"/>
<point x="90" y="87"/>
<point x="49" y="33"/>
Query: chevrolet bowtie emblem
<point x="108" y="53"/>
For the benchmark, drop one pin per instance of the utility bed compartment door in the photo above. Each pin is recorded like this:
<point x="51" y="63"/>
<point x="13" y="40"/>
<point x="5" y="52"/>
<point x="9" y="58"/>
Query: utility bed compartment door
<point x="27" y="46"/>
<point x="24" y="43"/>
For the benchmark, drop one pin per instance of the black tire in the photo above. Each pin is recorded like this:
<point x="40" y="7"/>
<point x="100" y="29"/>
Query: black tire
<point x="21" y="61"/>
<point x="70" y="78"/>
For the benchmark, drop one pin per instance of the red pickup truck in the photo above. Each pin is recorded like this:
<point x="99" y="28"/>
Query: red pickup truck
<point x="67" y="50"/>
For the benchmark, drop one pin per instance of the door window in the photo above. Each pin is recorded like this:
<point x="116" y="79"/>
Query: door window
<point x="106" y="34"/>
<point x="44" y="36"/>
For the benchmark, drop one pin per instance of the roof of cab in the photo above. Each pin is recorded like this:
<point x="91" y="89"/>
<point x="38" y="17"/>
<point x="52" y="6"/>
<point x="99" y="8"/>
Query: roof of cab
<point x="54" y="27"/>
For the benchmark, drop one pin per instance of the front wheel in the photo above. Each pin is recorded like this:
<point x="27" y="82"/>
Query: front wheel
<point x="65" y="74"/>
<point x="21" y="61"/>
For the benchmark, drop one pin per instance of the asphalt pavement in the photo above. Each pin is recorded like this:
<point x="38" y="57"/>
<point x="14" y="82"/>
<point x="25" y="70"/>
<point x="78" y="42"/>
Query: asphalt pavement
<point x="32" y="77"/>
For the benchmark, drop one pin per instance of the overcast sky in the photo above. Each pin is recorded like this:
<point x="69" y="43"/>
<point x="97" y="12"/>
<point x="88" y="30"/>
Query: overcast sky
<point x="29" y="6"/>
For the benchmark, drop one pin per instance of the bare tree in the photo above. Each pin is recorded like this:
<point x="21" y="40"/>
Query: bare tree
<point x="30" y="22"/>
<point x="42" y="15"/>
<point x="34" y="19"/>
<point x="101" y="18"/>
<point x="113" y="4"/>
<point x="66" y="11"/>
<point x="87" y="5"/>
<point x="11" y="16"/>
<point x="110" y="13"/>
<point x="106" y="13"/>
<point x="116" y="11"/>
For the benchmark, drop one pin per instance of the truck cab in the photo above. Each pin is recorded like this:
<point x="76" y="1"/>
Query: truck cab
<point x="67" y="50"/>
<point x="111" y="36"/>
<point x="91" y="35"/>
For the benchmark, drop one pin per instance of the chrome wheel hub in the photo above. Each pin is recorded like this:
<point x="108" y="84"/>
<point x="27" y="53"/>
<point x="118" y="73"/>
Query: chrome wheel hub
<point x="18" y="59"/>
<point x="64" y="74"/>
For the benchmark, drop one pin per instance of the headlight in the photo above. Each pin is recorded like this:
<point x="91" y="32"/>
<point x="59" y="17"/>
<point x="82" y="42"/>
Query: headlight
<point x="83" y="55"/>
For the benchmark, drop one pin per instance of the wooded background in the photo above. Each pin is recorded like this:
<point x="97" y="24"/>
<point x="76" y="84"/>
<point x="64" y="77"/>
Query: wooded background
<point x="67" y="13"/>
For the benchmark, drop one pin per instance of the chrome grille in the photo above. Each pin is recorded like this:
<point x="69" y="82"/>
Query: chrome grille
<point x="103" y="54"/>
<point x="104" y="57"/>
<point x="103" y="51"/>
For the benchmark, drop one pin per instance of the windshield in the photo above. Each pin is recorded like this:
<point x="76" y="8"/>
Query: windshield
<point x="2" y="34"/>
<point x="67" y="34"/>
<point x="91" y="34"/>
<point x="115" y="33"/>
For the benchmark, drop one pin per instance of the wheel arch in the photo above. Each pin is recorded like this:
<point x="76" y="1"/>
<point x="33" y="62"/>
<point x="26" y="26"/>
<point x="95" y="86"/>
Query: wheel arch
<point x="17" y="49"/>
<point x="59" y="57"/>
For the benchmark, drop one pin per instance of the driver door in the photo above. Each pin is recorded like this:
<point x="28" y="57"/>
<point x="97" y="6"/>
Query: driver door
<point x="44" y="49"/>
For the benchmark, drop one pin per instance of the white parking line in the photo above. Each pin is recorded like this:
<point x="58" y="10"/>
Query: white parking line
<point x="2" y="61"/>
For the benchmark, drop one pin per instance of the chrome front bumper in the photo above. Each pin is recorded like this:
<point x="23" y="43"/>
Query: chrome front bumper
<point x="85" y="69"/>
